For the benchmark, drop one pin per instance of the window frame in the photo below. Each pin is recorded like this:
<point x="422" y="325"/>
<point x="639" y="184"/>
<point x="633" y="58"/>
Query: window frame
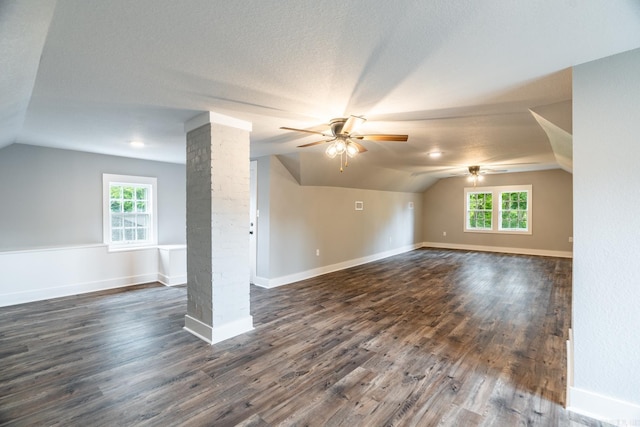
<point x="496" y="216"/>
<point x="152" y="182"/>
<point x="477" y="211"/>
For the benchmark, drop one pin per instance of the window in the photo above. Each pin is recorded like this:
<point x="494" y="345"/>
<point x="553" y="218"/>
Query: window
<point x="479" y="211"/>
<point x="514" y="210"/>
<point x="511" y="213"/>
<point x="129" y="210"/>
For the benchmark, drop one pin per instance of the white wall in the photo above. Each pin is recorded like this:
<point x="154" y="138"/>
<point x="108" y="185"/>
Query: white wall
<point x="299" y="220"/>
<point x="39" y="274"/>
<point x="51" y="225"/>
<point x="606" y="281"/>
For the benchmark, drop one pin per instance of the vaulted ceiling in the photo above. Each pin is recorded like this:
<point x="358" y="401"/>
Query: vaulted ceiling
<point x="486" y="83"/>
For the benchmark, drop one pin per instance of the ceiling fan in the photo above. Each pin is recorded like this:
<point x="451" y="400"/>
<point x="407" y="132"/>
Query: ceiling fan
<point x="343" y="141"/>
<point x="475" y="175"/>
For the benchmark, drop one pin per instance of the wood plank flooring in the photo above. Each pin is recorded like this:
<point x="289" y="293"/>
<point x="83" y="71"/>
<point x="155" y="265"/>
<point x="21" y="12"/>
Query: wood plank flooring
<point x="430" y="337"/>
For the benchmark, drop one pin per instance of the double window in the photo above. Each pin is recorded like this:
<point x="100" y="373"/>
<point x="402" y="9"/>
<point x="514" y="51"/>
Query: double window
<point x="129" y="210"/>
<point x="498" y="209"/>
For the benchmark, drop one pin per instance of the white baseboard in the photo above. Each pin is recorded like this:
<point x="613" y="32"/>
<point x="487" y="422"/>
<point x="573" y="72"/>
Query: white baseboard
<point x="500" y="249"/>
<point x="76" y="289"/>
<point x="308" y="274"/>
<point x="172" y="280"/>
<point x="263" y="282"/>
<point x="604" y="408"/>
<point x="569" y="368"/>
<point x="215" y="334"/>
<point x="198" y="328"/>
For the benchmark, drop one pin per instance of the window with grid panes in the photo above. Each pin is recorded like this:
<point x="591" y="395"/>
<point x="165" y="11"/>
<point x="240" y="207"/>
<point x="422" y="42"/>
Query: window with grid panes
<point x="505" y="209"/>
<point x="129" y="210"/>
<point x="514" y="210"/>
<point x="479" y="211"/>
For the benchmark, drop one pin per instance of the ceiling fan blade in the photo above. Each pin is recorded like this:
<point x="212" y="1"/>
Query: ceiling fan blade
<point x="305" y="130"/>
<point x="311" y="144"/>
<point x="383" y="137"/>
<point x="351" y="123"/>
<point x="360" y="147"/>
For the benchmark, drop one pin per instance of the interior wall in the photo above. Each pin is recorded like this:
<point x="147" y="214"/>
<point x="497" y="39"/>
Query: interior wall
<point x="304" y="219"/>
<point x="263" y="232"/>
<point x="552" y="212"/>
<point x="606" y="292"/>
<point x="53" y="197"/>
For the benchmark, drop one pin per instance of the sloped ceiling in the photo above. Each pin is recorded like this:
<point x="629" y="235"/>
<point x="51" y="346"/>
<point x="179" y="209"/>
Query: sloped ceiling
<point x="559" y="132"/>
<point x="23" y="31"/>
<point x="457" y="77"/>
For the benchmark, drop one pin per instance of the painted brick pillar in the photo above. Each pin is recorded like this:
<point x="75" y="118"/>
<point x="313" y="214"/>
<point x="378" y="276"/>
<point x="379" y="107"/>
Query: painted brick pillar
<point x="217" y="227"/>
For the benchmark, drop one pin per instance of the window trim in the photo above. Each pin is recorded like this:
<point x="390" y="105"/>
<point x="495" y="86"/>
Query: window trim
<point x="496" y="206"/>
<point x="477" y="190"/>
<point x="107" y="180"/>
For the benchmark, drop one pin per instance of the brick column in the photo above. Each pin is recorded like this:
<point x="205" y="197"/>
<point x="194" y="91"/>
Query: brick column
<point x="217" y="227"/>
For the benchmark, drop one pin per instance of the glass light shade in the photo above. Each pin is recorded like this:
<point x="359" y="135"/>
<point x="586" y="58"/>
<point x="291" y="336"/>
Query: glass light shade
<point x="352" y="150"/>
<point x="480" y="177"/>
<point x="471" y="178"/>
<point x="340" y="146"/>
<point x="331" y="151"/>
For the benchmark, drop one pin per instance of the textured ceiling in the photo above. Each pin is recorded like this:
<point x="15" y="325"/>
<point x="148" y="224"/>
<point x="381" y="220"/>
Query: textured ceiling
<point x="457" y="76"/>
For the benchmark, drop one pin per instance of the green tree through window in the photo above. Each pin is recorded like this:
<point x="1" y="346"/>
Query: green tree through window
<point x="129" y="210"/>
<point x="513" y="210"/>
<point x="504" y="209"/>
<point x="479" y="211"/>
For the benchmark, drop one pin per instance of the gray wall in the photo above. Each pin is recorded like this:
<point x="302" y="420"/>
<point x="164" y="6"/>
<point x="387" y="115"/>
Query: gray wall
<point x="53" y="197"/>
<point x="606" y="281"/>
<point x="552" y="212"/>
<point x="301" y="219"/>
<point x="262" y="230"/>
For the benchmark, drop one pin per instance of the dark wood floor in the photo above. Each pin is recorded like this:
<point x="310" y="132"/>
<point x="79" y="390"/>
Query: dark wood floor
<point x="431" y="337"/>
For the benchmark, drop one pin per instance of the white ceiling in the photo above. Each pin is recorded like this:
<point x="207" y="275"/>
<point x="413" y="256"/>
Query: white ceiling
<point x="456" y="76"/>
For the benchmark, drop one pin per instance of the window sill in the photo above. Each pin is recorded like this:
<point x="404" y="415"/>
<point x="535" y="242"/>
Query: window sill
<point x="519" y="233"/>
<point x="128" y="248"/>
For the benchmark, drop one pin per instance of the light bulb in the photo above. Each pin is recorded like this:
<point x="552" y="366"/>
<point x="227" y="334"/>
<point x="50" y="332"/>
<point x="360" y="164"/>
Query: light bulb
<point x="480" y="177"/>
<point x="331" y="151"/>
<point x="340" y="146"/>
<point x="471" y="177"/>
<point x="352" y="150"/>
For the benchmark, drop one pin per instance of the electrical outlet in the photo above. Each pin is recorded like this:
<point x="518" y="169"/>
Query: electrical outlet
<point x="317" y="252"/>
<point x="570" y="239"/>
<point x="444" y="234"/>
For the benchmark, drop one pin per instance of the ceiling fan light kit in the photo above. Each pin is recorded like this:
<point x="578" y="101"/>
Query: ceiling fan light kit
<point x="474" y="176"/>
<point x="342" y="139"/>
<point x="343" y="148"/>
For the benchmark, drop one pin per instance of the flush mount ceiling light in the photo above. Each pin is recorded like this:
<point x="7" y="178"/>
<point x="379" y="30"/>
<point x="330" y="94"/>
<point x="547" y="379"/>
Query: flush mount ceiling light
<point x="342" y="139"/>
<point x="435" y="154"/>
<point x="136" y="144"/>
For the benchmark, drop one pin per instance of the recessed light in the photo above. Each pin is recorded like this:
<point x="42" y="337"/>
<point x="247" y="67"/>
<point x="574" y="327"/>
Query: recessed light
<point x="136" y="144"/>
<point x="435" y="154"/>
